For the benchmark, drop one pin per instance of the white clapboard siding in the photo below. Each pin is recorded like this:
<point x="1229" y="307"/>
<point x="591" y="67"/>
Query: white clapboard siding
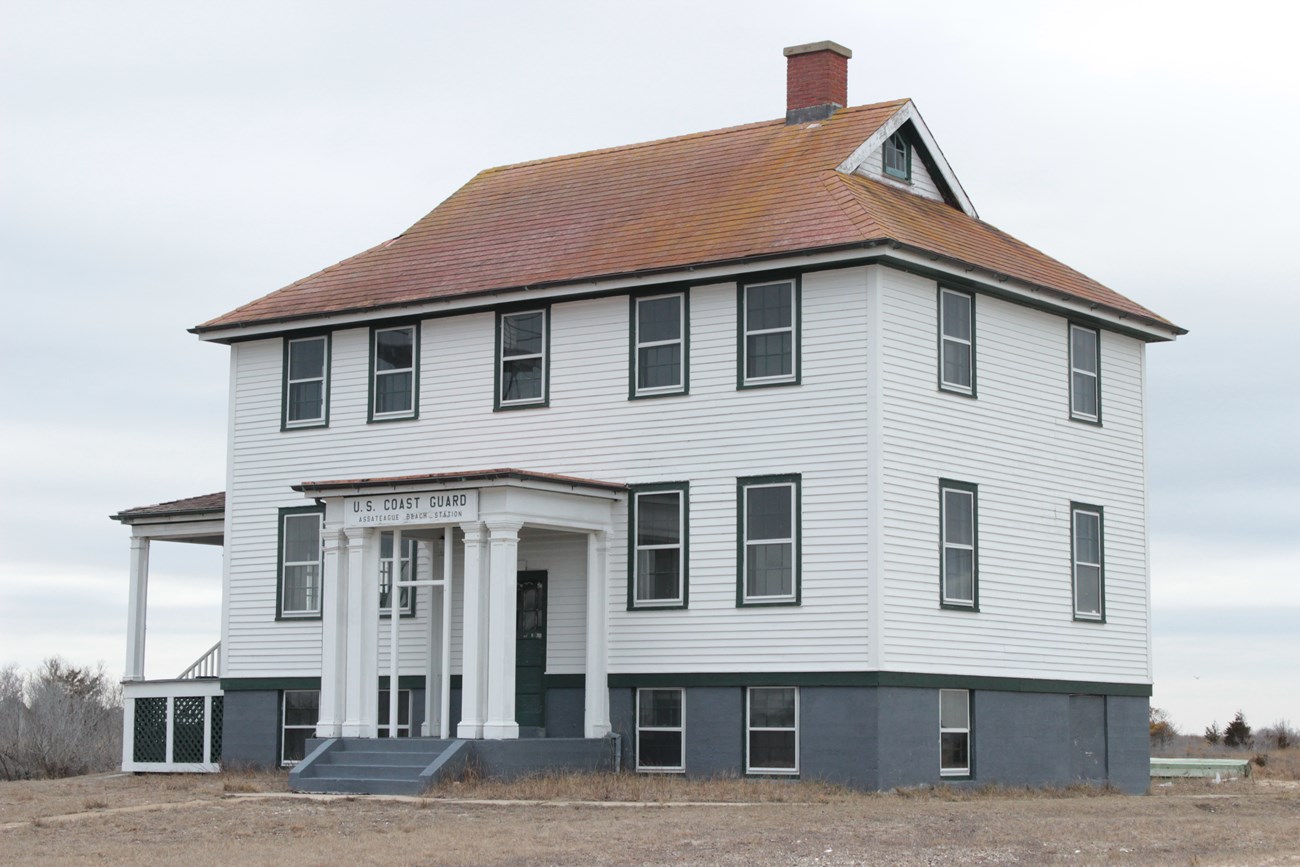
<point x="1016" y="442"/>
<point x="922" y="183"/>
<point x="709" y="437"/>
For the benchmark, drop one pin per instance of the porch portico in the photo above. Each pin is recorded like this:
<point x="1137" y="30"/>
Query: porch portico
<point x="483" y="513"/>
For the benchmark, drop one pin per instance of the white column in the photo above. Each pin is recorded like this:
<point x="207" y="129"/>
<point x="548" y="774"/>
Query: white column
<point x="473" y="679"/>
<point x="369" y="637"/>
<point x="596" y="714"/>
<point x="503" y="568"/>
<point x="433" y="657"/>
<point x="353" y="691"/>
<point x="334" y="634"/>
<point x="137" y="608"/>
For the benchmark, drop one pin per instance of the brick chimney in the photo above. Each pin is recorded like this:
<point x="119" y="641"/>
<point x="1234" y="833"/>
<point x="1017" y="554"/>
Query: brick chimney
<point x="816" y="81"/>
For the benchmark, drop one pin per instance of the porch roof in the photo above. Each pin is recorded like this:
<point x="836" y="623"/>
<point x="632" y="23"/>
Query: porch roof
<point x="501" y="474"/>
<point x="214" y="504"/>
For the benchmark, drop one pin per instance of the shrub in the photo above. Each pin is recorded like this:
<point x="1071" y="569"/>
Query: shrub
<point x="58" y="721"/>
<point x="1212" y="733"/>
<point x="1237" y="734"/>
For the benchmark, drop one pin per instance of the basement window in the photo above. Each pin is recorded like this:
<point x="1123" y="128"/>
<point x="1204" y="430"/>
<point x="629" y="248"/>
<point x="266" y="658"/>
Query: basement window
<point x="954" y="732"/>
<point x="772" y="730"/>
<point x="660" y="731"/>
<point x="300" y="709"/>
<point x="898" y="157"/>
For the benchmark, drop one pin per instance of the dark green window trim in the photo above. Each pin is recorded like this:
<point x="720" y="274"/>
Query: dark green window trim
<point x="973" y="490"/>
<point x="944" y="385"/>
<point x="279" y="563"/>
<point x="683" y="488"/>
<point x="742" y="381"/>
<point x="414" y="412"/>
<point x="633" y="392"/>
<point x="889" y="171"/>
<point x="324" y="420"/>
<point x="795" y="480"/>
<point x="498" y="361"/>
<point x="1069" y="339"/>
<point x="1074" y="565"/>
<point x="899" y="679"/>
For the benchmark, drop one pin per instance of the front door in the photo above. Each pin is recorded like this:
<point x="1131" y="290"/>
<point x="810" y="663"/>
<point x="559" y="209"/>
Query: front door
<point x="530" y="651"/>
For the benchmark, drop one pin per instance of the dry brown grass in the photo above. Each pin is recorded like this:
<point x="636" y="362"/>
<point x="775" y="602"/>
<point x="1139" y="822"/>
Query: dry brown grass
<point x="191" y="820"/>
<point x="646" y="788"/>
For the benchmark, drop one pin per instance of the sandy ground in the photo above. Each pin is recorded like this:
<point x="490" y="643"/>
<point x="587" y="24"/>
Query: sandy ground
<point x="225" y="820"/>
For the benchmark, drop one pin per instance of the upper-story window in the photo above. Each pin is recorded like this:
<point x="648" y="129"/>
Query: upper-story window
<point x="1088" y="553"/>
<point x="660" y="328"/>
<point x="898" y="157"/>
<point x="300" y="562"/>
<point x="523" y="343"/>
<point x="768" y="516"/>
<point x="956" y="341"/>
<point x="394" y="365"/>
<point x="958" y="544"/>
<point x="660" y="533"/>
<point x="769" y="333"/>
<point x="1085" y="374"/>
<point x="306" y="382"/>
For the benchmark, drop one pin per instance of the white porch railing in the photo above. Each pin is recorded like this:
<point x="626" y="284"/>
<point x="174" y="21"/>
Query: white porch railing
<point x="207" y="665"/>
<point x="172" y="726"/>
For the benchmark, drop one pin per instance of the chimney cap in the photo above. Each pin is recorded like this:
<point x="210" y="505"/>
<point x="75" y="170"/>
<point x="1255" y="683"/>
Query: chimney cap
<point x="810" y="47"/>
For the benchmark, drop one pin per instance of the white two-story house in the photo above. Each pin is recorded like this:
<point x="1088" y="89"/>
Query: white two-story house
<point x="753" y="451"/>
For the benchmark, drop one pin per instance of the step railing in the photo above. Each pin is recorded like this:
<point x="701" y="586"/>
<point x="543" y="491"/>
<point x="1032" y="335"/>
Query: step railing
<point x="207" y="665"/>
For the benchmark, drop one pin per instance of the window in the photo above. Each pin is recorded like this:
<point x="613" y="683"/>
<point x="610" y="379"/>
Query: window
<point x="658" y="533"/>
<point x="660" y="730"/>
<point x="300" y="562"/>
<point x="898" y="157"/>
<point x="768" y="510"/>
<point x="956" y="342"/>
<point x="959" y="545"/>
<point x="660" y="327"/>
<point x="1085" y="374"/>
<point x="954" y="732"/>
<point x="769" y="333"/>
<point x="1088" y="553"/>
<point x="394" y="365"/>
<point x="306" y="382"/>
<point x="299" y="711"/>
<point x="406" y="595"/>
<point x="403" y="713"/>
<point x="523" y="342"/>
<point x="772" y="730"/>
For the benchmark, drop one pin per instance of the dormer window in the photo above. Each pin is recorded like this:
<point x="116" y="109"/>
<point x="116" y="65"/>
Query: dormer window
<point x="898" y="157"/>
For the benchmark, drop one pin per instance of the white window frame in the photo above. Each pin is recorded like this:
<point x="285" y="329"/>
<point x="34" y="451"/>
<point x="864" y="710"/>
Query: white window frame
<point x="906" y="174"/>
<point x="792" y="328"/>
<point x="285" y="612"/>
<point x="681" y="548"/>
<point x="376" y="373"/>
<point x="502" y="358"/>
<point x="681" y="731"/>
<point x="290" y="381"/>
<point x="966" y="730"/>
<point x="1077" y="510"/>
<point x="403" y="609"/>
<point x="403" y="696"/>
<point x="967" y="343"/>
<point x="284" y="726"/>
<point x="792" y="541"/>
<point x="946" y="487"/>
<point x="680" y="341"/>
<point x="1094" y="416"/>
<point x="749" y="767"/>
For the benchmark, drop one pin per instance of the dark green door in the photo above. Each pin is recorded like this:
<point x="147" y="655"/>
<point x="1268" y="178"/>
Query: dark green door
<point x="530" y="651"/>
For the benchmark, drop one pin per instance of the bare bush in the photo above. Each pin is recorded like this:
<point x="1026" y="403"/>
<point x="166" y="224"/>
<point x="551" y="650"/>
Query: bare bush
<point x="58" y="721"/>
<point x="1162" y="727"/>
<point x="1280" y="735"/>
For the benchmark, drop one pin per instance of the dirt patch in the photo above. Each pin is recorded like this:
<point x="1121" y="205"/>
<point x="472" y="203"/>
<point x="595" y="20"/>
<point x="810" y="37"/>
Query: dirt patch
<point x="194" y="820"/>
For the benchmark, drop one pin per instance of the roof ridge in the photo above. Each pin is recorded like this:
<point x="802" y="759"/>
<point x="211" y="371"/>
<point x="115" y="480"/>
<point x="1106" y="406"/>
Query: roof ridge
<point x="678" y="138"/>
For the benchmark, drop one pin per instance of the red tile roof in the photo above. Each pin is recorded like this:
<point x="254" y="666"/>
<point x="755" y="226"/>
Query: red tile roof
<point x="202" y="503"/>
<point x="760" y="190"/>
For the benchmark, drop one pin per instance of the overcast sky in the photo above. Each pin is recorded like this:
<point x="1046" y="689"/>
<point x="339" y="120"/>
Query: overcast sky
<point x="164" y="162"/>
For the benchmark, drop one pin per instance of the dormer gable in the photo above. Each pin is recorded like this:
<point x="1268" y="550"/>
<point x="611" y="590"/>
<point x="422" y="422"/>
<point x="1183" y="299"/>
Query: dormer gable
<point x="903" y="153"/>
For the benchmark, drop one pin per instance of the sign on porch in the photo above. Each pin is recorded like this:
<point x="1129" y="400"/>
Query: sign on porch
<point x="422" y="507"/>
